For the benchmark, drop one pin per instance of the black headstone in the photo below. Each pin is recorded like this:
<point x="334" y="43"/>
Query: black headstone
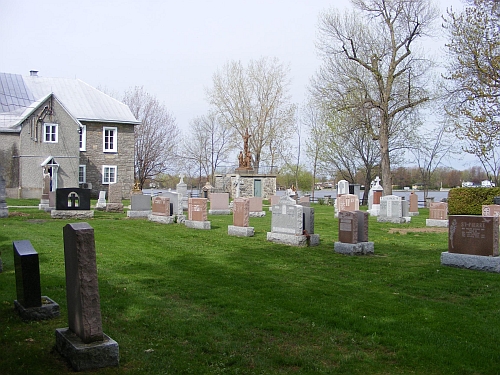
<point x="496" y="200"/>
<point x="27" y="268"/>
<point x="72" y="199"/>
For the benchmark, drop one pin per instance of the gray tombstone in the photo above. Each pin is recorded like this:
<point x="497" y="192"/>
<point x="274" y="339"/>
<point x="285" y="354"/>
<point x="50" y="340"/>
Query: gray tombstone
<point x="4" y="211"/>
<point x="83" y="344"/>
<point x="140" y="206"/>
<point x="30" y="303"/>
<point x="101" y="201"/>
<point x="391" y="210"/>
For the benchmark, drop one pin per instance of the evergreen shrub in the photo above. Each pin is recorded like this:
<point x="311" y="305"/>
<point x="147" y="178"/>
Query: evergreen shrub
<point x="469" y="201"/>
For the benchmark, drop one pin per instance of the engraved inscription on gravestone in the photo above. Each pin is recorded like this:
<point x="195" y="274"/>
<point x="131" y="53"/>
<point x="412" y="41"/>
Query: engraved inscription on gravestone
<point x="241" y="212"/>
<point x="348" y="227"/>
<point x="161" y="206"/>
<point x="197" y="209"/>
<point x="474" y="235"/>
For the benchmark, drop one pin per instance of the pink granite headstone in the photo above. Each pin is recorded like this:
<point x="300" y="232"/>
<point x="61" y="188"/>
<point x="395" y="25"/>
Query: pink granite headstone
<point x="241" y="212"/>
<point x="197" y="209"/>
<point x="161" y="206"/>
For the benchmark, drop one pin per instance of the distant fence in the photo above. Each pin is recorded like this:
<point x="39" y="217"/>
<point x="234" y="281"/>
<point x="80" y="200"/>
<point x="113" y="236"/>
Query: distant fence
<point x="261" y="170"/>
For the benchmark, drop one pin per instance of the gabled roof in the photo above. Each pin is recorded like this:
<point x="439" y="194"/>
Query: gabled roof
<point x="20" y="95"/>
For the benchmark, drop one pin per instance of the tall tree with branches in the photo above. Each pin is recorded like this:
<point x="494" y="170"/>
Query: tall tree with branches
<point x="370" y="64"/>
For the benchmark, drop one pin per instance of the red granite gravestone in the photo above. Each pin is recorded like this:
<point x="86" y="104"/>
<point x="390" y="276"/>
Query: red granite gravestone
<point x="197" y="209"/>
<point x="161" y="206"/>
<point x="473" y="235"/>
<point x="438" y="211"/>
<point x="241" y="212"/>
<point x="255" y="204"/>
<point x="413" y="202"/>
<point x="348" y="227"/>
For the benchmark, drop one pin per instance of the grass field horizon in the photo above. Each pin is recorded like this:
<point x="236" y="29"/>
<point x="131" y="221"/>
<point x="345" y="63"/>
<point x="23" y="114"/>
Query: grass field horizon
<point x="187" y="301"/>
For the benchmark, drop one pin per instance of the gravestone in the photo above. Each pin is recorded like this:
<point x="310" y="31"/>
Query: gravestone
<point x="346" y="202"/>
<point x="472" y="243"/>
<point x="287" y="224"/>
<point x="355" y="189"/>
<point x="438" y="215"/>
<point x="72" y="203"/>
<point x="175" y="205"/>
<point x="182" y="189"/>
<point x="140" y="206"/>
<point x="391" y="210"/>
<point x="274" y="200"/>
<point x="4" y="211"/>
<point x="44" y="200"/>
<point x="30" y="303"/>
<point x="374" y="196"/>
<point x="256" y="207"/>
<point x="83" y="344"/>
<point x="219" y="204"/>
<point x="101" y="201"/>
<point x="490" y="210"/>
<point x="308" y="225"/>
<point x="241" y="215"/>
<point x="115" y="195"/>
<point x="353" y="234"/>
<point x="342" y="187"/>
<point x="413" y="204"/>
<point x="305" y="201"/>
<point x="197" y="214"/>
<point x="161" y="211"/>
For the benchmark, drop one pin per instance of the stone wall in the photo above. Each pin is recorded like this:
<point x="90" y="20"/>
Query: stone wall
<point x="227" y="183"/>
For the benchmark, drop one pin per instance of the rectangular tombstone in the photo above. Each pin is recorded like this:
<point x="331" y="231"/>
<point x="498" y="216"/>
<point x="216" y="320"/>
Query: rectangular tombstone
<point x="161" y="206"/>
<point x="140" y="202"/>
<point x="413" y="202"/>
<point x="175" y="202"/>
<point x="52" y="199"/>
<point x="308" y="219"/>
<point x="197" y="209"/>
<point x="274" y="200"/>
<point x="348" y="227"/>
<point x="27" y="268"/>
<point x="287" y="217"/>
<point x="342" y="187"/>
<point x="362" y="226"/>
<point x="72" y="199"/>
<point x="405" y="205"/>
<point x="490" y="210"/>
<point x="255" y="204"/>
<point x="82" y="291"/>
<point x="391" y="206"/>
<point x="438" y="210"/>
<point x="115" y="193"/>
<point x="348" y="202"/>
<point x="473" y="235"/>
<point x="305" y="201"/>
<point x="241" y="212"/>
<point x="219" y="201"/>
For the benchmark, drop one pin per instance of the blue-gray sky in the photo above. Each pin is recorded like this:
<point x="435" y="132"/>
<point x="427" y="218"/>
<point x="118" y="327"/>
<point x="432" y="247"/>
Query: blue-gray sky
<point x="172" y="48"/>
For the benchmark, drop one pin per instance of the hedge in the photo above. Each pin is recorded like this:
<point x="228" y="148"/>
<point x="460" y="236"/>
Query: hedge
<point x="469" y="201"/>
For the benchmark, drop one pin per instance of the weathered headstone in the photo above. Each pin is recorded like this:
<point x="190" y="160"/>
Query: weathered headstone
<point x="241" y="215"/>
<point x="413" y="204"/>
<point x="72" y="203"/>
<point x="30" y="303"/>
<point x="391" y="210"/>
<point x="197" y="214"/>
<point x="374" y="197"/>
<point x="101" y="201"/>
<point x="161" y="211"/>
<point x="273" y="201"/>
<point x="342" y="187"/>
<point x="140" y="206"/>
<point x="438" y="215"/>
<point x="83" y="302"/>
<point x="115" y="195"/>
<point x="175" y="205"/>
<point x="256" y="207"/>
<point x="4" y="211"/>
<point x="346" y="202"/>
<point x="219" y="204"/>
<point x="353" y="234"/>
<point x="490" y="210"/>
<point x="287" y="224"/>
<point x="44" y="200"/>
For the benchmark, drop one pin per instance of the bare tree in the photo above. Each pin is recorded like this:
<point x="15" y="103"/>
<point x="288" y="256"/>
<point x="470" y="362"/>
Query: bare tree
<point x="254" y="98"/>
<point x="156" y="138"/>
<point x="370" y="65"/>
<point x="209" y="144"/>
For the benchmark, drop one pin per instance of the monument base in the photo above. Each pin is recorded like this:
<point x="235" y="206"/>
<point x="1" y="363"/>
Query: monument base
<point x="360" y="248"/>
<point x="257" y="213"/>
<point x="48" y="310"/>
<point x="161" y="219"/>
<point x="471" y="262"/>
<point x="114" y="207"/>
<point x="138" y="214"/>
<point x="83" y="357"/>
<point x="219" y="212"/>
<point x="180" y="219"/>
<point x="293" y="240"/>
<point x="393" y="220"/>
<point x="415" y="213"/>
<point x="44" y="204"/>
<point x="197" y="224"/>
<point x="375" y="210"/>
<point x="233" y="230"/>
<point x="100" y="206"/>
<point x="71" y="214"/>
<point x="4" y="212"/>
<point x="436" y="223"/>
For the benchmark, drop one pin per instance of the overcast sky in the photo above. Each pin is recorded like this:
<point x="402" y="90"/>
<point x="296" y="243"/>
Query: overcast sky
<point x="172" y="48"/>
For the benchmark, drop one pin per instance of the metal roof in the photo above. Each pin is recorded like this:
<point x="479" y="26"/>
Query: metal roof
<point x="20" y="95"/>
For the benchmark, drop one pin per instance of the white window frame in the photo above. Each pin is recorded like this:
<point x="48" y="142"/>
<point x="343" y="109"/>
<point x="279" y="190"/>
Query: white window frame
<point x="83" y="137"/>
<point x="84" y="169"/>
<point x="106" y="175"/>
<point x="105" y="145"/>
<point x="53" y="130"/>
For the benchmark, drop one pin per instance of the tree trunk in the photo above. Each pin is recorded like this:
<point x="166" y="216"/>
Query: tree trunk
<point x="385" y="162"/>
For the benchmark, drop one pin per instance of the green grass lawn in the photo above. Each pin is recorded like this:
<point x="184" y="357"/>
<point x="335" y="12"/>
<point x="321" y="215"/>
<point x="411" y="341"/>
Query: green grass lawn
<point x="187" y="301"/>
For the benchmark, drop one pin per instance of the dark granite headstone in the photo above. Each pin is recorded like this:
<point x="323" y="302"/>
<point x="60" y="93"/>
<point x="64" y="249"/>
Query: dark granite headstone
<point x="473" y="235"/>
<point x="82" y="292"/>
<point x="27" y="268"/>
<point x="308" y="217"/>
<point x="72" y="199"/>
<point x="348" y="227"/>
<point x="362" y="226"/>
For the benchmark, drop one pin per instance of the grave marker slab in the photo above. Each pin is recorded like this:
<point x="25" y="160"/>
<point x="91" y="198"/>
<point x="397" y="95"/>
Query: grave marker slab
<point x="197" y="214"/>
<point x="219" y="204"/>
<point x="391" y="210"/>
<point x="101" y="201"/>
<point x="256" y="207"/>
<point x="241" y="215"/>
<point x="161" y="211"/>
<point x="140" y="205"/>
<point x="490" y="210"/>
<point x="353" y="234"/>
<point x="72" y="203"/>
<point x="115" y="195"/>
<point x="413" y="204"/>
<point x="473" y="235"/>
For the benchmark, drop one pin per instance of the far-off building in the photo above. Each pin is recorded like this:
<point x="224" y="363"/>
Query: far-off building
<point x="65" y="129"/>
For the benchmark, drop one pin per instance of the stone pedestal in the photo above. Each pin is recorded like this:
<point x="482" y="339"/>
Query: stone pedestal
<point x="72" y="214"/>
<point x="138" y="214"/>
<point x="471" y="262"/>
<point x="84" y="357"/>
<point x="360" y="248"/>
<point x="161" y="219"/>
<point x="233" y="230"/>
<point x="114" y="207"/>
<point x="258" y="213"/>
<point x="219" y="212"/>
<point x="436" y="223"/>
<point x="197" y="224"/>
<point x="293" y="240"/>
<point x="48" y="310"/>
